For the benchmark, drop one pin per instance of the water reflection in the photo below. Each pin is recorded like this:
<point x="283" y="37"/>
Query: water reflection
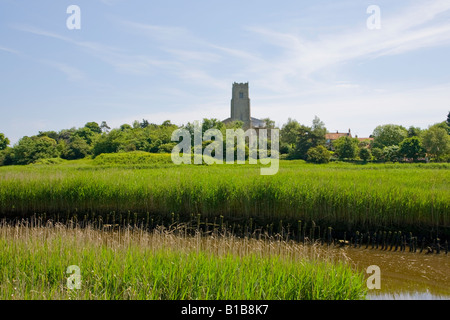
<point x="406" y="296"/>
<point x="405" y="275"/>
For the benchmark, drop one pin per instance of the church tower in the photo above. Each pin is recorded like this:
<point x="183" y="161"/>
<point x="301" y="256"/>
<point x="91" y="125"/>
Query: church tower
<point x="240" y="104"/>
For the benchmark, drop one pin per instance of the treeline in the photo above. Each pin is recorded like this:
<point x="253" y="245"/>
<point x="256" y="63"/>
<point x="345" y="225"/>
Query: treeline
<point x="91" y="140"/>
<point x="94" y="139"/>
<point x="393" y="143"/>
<point x="297" y="141"/>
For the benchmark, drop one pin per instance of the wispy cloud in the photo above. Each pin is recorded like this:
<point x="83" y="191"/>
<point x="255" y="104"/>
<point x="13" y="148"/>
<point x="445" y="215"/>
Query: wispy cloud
<point x="118" y="58"/>
<point x="72" y="73"/>
<point x="412" y="29"/>
<point x="9" y="50"/>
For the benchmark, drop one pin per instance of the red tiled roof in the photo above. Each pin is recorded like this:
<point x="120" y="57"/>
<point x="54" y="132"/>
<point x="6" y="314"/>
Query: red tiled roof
<point x="335" y="136"/>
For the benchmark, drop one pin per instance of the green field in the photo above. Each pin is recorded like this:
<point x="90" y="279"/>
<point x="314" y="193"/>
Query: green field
<point x="346" y="197"/>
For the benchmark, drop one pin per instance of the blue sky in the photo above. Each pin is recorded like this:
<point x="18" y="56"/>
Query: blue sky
<point x="177" y="60"/>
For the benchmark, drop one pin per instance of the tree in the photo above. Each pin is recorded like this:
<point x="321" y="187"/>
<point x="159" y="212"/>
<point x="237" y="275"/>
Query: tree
<point x="289" y="132"/>
<point x="377" y="154"/>
<point x="303" y="143"/>
<point x="28" y="150"/>
<point x="211" y="124"/>
<point x="144" y="124"/>
<point x="411" y="148"/>
<point x="318" y="154"/>
<point x="4" y="141"/>
<point x="389" y="135"/>
<point x="436" y="141"/>
<point x="109" y="143"/>
<point x="76" y="149"/>
<point x="346" y="147"/>
<point x="318" y="131"/>
<point x="414" y="131"/>
<point x="270" y="124"/>
<point x="51" y="134"/>
<point x="391" y="153"/>
<point x="309" y="137"/>
<point x="167" y="123"/>
<point x="104" y="127"/>
<point x="94" y="127"/>
<point x="66" y="134"/>
<point x="87" y="135"/>
<point x="448" y="123"/>
<point x="365" y="154"/>
<point x="125" y="126"/>
<point x="136" y="124"/>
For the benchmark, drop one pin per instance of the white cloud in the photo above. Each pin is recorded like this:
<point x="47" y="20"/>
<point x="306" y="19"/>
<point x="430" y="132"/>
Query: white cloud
<point x="412" y="29"/>
<point x="9" y="50"/>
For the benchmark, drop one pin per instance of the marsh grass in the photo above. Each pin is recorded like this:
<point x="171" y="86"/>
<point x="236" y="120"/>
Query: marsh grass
<point x="167" y="264"/>
<point x="403" y="197"/>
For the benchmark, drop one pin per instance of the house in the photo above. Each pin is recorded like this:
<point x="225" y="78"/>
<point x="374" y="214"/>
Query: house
<point x="330" y="137"/>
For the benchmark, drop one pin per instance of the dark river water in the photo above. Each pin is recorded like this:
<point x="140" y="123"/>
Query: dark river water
<point x="405" y="275"/>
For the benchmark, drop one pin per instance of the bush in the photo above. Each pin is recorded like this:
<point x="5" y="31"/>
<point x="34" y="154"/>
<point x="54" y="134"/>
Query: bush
<point x="134" y="158"/>
<point x="318" y="154"/>
<point x="49" y="161"/>
<point x="391" y="153"/>
<point x="377" y="154"/>
<point x="365" y="154"/>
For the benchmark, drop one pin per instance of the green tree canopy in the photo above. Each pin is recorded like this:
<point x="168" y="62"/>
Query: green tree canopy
<point x="104" y="127"/>
<point x="4" y="141"/>
<point x="77" y="148"/>
<point x="346" y="147"/>
<point x="30" y="149"/>
<point x="289" y="132"/>
<point x="270" y="124"/>
<point x="389" y="135"/>
<point x="412" y="148"/>
<point x="309" y="137"/>
<point x="377" y="154"/>
<point x="391" y="153"/>
<point x="365" y="154"/>
<point x="87" y="135"/>
<point x="414" y="131"/>
<point x="436" y="141"/>
<point x="94" y="127"/>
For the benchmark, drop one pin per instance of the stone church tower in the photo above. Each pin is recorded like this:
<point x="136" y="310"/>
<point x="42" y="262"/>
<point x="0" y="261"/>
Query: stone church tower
<point x="240" y="104"/>
<point x="240" y="107"/>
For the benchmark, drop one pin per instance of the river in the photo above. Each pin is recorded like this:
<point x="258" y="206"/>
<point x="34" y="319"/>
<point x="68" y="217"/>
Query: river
<point x="405" y="275"/>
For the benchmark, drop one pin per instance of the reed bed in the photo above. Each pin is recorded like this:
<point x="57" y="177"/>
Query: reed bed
<point x="167" y="264"/>
<point x="347" y="197"/>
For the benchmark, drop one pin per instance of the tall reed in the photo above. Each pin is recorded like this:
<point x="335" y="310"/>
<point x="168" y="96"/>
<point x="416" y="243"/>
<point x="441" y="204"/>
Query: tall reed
<point x="165" y="264"/>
